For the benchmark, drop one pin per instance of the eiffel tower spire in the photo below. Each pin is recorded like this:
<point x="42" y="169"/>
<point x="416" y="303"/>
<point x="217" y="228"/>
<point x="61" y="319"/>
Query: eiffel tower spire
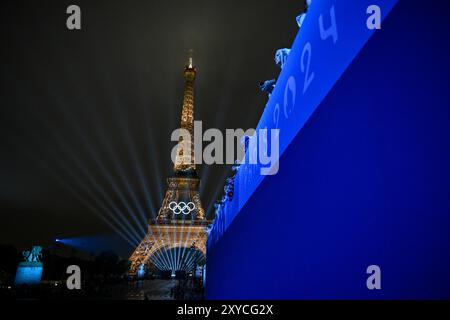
<point x="185" y="160"/>
<point x="183" y="186"/>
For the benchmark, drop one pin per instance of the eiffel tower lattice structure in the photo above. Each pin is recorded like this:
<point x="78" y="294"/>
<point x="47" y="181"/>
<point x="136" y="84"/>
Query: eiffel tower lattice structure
<point x="181" y="221"/>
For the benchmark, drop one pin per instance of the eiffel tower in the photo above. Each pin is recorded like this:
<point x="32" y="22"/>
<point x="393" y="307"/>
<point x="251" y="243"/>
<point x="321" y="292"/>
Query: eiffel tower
<point x="180" y="222"/>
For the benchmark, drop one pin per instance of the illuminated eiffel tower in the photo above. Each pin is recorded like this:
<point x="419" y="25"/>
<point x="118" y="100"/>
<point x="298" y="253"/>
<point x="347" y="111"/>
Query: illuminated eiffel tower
<point x="181" y="219"/>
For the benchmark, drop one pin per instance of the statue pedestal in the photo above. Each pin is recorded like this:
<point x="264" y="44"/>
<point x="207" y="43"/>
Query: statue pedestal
<point x="29" y="273"/>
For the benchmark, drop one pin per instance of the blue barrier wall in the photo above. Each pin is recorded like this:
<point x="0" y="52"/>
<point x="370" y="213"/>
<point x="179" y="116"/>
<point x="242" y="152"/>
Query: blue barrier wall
<point x="365" y="181"/>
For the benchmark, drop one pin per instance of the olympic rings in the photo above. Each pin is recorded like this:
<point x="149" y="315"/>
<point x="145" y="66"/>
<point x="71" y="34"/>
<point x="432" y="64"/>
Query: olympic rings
<point x="181" y="207"/>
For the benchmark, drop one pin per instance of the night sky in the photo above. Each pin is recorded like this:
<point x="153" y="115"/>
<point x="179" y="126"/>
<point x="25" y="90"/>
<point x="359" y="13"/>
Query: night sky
<point x="86" y="116"/>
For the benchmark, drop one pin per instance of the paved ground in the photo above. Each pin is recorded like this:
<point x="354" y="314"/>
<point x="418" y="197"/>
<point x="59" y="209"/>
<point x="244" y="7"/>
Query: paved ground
<point x="151" y="290"/>
<point x="139" y="290"/>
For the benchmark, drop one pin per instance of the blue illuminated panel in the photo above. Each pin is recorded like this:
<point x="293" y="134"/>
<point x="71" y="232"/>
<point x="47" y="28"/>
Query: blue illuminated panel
<point x="331" y="36"/>
<point x="365" y="182"/>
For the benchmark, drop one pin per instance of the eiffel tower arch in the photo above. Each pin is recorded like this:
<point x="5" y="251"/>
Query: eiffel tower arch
<point x="166" y="237"/>
<point x="181" y="221"/>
